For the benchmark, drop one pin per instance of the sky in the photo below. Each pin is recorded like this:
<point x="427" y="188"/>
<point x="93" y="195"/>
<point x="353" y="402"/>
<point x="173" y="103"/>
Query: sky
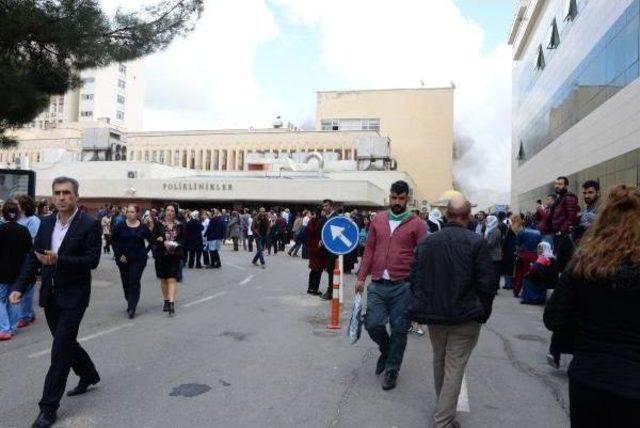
<point x="251" y="60"/>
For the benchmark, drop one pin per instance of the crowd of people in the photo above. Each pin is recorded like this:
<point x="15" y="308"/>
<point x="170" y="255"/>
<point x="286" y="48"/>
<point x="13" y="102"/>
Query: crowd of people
<point x="439" y="269"/>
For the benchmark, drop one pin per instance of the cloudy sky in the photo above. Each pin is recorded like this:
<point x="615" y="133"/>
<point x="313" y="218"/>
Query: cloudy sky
<point x="250" y="60"/>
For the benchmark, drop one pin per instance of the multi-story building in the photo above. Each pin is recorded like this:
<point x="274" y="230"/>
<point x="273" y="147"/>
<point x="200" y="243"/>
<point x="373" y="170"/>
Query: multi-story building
<point x="576" y="95"/>
<point x="417" y="121"/>
<point x="112" y="94"/>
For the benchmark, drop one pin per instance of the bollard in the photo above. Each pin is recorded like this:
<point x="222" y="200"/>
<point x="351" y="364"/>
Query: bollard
<point x="334" y="318"/>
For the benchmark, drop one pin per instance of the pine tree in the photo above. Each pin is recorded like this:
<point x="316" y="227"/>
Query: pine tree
<point x="44" y="44"/>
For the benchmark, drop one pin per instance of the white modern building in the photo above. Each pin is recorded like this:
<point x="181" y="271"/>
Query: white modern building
<point x="576" y="95"/>
<point x="113" y="94"/>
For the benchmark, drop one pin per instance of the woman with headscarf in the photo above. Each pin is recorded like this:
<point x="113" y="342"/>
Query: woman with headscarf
<point x="493" y="236"/>
<point x="542" y="275"/>
<point x="235" y="229"/>
<point x="596" y="307"/>
<point x="434" y="221"/>
<point x="193" y="240"/>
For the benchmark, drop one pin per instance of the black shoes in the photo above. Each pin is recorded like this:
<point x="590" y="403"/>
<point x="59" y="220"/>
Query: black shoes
<point x="382" y="361"/>
<point x="390" y="379"/>
<point x="314" y="292"/>
<point x="45" y="420"/>
<point x="172" y="309"/>
<point x="165" y="308"/>
<point x="83" y="385"/>
<point x="132" y="313"/>
<point x="327" y="295"/>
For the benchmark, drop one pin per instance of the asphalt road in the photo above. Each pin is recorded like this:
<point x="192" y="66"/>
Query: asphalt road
<point x="249" y="348"/>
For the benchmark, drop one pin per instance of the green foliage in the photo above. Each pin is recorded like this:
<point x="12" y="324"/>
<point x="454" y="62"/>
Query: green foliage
<point x="44" y="44"/>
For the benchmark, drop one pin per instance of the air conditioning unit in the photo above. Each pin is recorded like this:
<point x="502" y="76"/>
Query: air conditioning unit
<point x="132" y="174"/>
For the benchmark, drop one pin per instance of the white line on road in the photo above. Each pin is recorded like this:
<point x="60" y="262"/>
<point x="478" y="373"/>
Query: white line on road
<point x="86" y="338"/>
<point x="463" y="398"/>
<point x="204" y="299"/>
<point x="246" y="280"/>
<point x="235" y="266"/>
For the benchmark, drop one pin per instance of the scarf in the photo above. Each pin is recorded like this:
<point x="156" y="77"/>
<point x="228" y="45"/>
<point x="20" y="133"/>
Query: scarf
<point x="399" y="217"/>
<point x="492" y="223"/>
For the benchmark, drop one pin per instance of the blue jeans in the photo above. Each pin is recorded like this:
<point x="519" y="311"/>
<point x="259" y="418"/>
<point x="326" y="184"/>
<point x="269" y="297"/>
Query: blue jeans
<point x="259" y="249"/>
<point x="388" y="302"/>
<point x="8" y="312"/>
<point x="26" y="312"/>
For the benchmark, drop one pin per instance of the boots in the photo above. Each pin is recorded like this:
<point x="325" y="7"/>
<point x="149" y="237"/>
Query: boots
<point x="172" y="309"/>
<point x="216" y="263"/>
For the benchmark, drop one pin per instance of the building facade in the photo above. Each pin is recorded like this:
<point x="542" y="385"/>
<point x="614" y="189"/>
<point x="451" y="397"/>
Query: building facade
<point x="112" y="94"/>
<point x="418" y="122"/>
<point x="576" y="95"/>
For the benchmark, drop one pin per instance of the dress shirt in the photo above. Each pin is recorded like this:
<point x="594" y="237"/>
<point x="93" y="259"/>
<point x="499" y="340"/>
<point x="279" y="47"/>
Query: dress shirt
<point x="59" y="232"/>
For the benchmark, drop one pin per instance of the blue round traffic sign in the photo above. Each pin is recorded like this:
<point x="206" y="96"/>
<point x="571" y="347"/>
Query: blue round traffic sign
<point x="340" y="235"/>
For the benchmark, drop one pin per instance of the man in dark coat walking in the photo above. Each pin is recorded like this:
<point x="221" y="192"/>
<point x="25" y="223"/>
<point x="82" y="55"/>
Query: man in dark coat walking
<point x="453" y="285"/>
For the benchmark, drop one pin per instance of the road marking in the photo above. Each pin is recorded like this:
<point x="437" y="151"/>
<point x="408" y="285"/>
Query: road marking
<point x="235" y="266"/>
<point x="463" y="397"/>
<point x="204" y="299"/>
<point x="86" y="338"/>
<point x="246" y="280"/>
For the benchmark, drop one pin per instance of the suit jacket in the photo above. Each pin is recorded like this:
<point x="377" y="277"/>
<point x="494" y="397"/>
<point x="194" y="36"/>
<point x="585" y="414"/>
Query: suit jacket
<point x="78" y="254"/>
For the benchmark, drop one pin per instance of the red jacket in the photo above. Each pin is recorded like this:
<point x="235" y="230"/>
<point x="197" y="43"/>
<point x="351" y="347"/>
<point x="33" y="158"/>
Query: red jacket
<point x="542" y="217"/>
<point x="564" y="213"/>
<point x="391" y="252"/>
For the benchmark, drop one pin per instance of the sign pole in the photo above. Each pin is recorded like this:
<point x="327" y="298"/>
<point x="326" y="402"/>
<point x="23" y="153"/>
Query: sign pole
<point x="341" y="264"/>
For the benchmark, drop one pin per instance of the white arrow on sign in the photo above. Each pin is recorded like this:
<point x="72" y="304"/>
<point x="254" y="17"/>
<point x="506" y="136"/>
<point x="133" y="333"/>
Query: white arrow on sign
<point x="336" y="232"/>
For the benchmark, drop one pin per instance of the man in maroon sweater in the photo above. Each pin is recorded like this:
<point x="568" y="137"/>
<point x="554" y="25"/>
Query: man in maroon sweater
<point x="561" y="221"/>
<point x="388" y="254"/>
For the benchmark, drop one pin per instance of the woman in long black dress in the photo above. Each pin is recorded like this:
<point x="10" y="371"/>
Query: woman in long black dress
<point x="168" y="238"/>
<point x="130" y="252"/>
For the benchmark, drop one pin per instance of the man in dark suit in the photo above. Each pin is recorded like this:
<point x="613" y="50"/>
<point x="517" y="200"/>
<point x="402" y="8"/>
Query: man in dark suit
<point x="67" y="247"/>
<point x="329" y="211"/>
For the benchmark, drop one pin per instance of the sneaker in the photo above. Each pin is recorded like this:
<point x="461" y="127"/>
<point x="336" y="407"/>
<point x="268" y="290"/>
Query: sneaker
<point x="5" y="336"/>
<point x="553" y="361"/>
<point x="263" y="266"/>
<point x="24" y="323"/>
<point x="254" y="263"/>
<point x="327" y="295"/>
<point x="390" y="379"/>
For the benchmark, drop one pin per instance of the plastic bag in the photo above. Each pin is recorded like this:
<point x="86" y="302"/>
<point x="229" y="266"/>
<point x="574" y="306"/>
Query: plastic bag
<point x="356" y="320"/>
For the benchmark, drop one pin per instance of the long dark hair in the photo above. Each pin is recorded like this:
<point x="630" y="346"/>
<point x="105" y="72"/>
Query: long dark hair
<point x="614" y="238"/>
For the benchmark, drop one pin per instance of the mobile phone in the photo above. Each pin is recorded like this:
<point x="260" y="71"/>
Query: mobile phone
<point x="40" y="251"/>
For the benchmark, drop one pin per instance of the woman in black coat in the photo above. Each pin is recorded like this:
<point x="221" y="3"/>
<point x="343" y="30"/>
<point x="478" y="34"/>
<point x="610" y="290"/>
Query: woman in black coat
<point x="168" y="238"/>
<point x="596" y="304"/>
<point x="193" y="240"/>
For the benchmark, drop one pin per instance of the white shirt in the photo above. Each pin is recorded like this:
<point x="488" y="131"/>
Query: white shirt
<point x="60" y="231"/>
<point x="249" y="223"/>
<point x="393" y="224"/>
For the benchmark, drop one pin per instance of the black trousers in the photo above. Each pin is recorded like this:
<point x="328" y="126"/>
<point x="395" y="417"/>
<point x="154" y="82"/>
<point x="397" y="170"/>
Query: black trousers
<point x="563" y="244"/>
<point x="205" y="258"/>
<point x="214" y="256"/>
<point x="250" y="243"/>
<point x="593" y="408"/>
<point x="331" y="265"/>
<point x="194" y="257"/>
<point x="314" y="280"/>
<point x="66" y="353"/>
<point x="130" y="274"/>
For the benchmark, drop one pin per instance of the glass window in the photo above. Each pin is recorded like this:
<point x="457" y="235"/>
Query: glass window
<point x="571" y="10"/>
<point x="86" y="113"/>
<point x="540" y="63"/>
<point x="87" y="96"/>
<point x="120" y="115"/>
<point x="554" y="35"/>
<point x="121" y="84"/>
<point x="88" y="80"/>
<point x="120" y="99"/>
<point x="122" y="68"/>
<point x="612" y="64"/>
